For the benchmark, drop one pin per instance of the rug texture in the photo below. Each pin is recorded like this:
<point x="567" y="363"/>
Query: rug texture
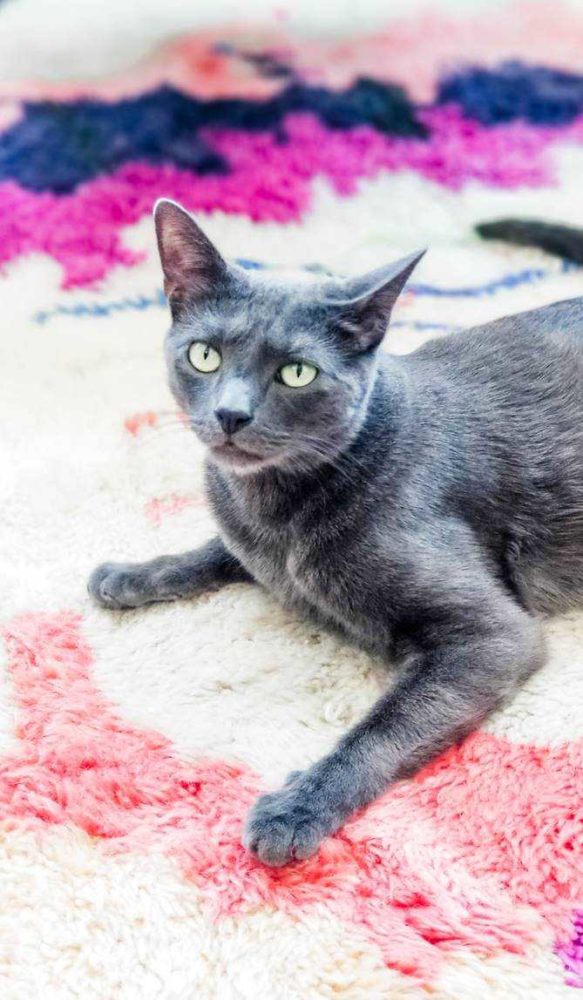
<point x="132" y="745"/>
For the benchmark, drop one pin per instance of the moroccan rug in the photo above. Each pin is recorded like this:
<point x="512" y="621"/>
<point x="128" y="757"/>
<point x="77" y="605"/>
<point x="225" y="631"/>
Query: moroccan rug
<point x="132" y="745"/>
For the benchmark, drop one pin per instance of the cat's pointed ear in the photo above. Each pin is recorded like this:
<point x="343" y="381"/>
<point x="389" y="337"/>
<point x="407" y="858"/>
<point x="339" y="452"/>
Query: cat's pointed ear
<point x="365" y="303"/>
<point x="192" y="266"/>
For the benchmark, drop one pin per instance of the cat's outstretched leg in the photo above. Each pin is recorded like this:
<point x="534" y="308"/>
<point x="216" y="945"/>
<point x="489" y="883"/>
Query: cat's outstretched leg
<point x="486" y="652"/>
<point x="167" y="578"/>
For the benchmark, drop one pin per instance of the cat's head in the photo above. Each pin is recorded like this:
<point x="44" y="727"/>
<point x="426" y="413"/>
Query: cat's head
<point x="271" y="371"/>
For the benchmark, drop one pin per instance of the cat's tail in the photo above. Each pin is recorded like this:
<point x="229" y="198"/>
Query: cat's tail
<point x="561" y="241"/>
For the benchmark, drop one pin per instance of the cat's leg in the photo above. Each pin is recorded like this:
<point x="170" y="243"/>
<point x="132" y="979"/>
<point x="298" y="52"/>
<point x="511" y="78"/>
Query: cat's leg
<point x="453" y="685"/>
<point x="167" y="578"/>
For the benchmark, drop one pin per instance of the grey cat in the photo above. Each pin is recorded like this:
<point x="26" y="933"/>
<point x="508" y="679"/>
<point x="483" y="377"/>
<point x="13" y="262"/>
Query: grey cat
<point x="428" y="507"/>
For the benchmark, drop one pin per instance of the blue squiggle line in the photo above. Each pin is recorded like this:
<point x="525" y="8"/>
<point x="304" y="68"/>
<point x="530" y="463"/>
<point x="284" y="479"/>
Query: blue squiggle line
<point x="140" y="303"/>
<point x="508" y="281"/>
<point x="419" y="324"/>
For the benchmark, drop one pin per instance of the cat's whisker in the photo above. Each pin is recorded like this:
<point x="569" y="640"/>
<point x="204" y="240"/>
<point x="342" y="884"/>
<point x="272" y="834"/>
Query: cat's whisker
<point x="162" y="433"/>
<point x="173" y="422"/>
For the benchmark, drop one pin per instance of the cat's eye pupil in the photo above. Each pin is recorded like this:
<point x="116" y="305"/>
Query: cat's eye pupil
<point x="297" y="374"/>
<point x="204" y="358"/>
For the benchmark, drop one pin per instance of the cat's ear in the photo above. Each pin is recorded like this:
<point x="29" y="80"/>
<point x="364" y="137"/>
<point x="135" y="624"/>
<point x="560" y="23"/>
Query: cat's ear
<point x="192" y="266"/>
<point x="365" y="303"/>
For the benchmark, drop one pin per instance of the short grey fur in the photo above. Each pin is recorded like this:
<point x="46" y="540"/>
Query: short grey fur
<point x="428" y="507"/>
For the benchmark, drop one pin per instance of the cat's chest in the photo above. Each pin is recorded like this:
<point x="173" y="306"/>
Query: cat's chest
<point x="311" y="560"/>
<point x="268" y="549"/>
<point x="284" y="550"/>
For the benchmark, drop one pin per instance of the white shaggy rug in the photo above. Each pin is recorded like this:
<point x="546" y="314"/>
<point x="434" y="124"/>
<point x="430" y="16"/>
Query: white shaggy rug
<point x="131" y="745"/>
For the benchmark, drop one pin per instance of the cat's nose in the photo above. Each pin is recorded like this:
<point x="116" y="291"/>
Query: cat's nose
<point x="232" y="420"/>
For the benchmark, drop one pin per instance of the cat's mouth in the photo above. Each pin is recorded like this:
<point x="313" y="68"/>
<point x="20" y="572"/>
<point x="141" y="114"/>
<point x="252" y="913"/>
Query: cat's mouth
<point x="230" y="453"/>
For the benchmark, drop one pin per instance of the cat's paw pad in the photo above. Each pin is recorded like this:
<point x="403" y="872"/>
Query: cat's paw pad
<point x="283" y="826"/>
<point x="119" y="585"/>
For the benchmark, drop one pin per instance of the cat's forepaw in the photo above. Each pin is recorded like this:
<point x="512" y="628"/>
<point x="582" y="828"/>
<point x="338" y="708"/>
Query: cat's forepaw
<point x="286" y="825"/>
<point x="120" y="585"/>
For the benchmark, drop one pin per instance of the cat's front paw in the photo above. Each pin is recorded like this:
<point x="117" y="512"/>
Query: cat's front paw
<point x="120" y="585"/>
<point x="287" y="825"/>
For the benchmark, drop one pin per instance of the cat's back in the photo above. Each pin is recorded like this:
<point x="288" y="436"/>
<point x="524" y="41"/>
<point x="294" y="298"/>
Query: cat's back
<point x="545" y="341"/>
<point x="503" y="408"/>
<point x="519" y="378"/>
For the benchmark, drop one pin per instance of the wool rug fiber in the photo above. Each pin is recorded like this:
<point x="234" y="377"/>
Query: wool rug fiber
<point x="132" y="745"/>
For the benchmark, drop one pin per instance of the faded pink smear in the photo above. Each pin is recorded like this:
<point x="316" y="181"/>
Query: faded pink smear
<point x="436" y="863"/>
<point x="193" y="64"/>
<point x="137" y="421"/>
<point x="158" y="508"/>
<point x="413" y="51"/>
<point x="10" y="113"/>
<point x="269" y="181"/>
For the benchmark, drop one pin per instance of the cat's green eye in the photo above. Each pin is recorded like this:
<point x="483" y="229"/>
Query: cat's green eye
<point x="203" y="357"/>
<point x="298" y="374"/>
